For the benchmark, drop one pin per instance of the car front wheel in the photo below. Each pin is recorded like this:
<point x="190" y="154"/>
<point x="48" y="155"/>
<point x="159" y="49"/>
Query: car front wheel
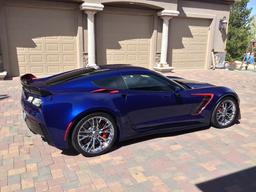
<point x="95" y="134"/>
<point x="225" y="113"/>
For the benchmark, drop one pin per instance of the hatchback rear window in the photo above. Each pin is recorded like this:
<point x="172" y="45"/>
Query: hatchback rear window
<point x="68" y="76"/>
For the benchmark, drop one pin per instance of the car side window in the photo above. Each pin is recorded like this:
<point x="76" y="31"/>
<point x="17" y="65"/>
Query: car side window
<point x="115" y="82"/>
<point x="146" y="82"/>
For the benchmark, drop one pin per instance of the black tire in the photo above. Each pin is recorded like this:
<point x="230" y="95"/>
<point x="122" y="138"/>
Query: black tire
<point x="215" y="123"/>
<point x="75" y="132"/>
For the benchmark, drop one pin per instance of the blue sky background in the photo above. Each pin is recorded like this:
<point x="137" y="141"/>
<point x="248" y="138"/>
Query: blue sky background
<point x="252" y="4"/>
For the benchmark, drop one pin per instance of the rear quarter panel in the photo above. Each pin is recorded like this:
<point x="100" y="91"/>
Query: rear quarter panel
<point x="62" y="108"/>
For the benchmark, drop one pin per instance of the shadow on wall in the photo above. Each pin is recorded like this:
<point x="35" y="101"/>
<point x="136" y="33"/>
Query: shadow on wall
<point x="203" y="6"/>
<point x="178" y="31"/>
<point x="126" y="32"/>
<point x="30" y="28"/>
<point x="118" y="31"/>
<point x="223" y="32"/>
<point x="1" y="60"/>
<point x="184" y="33"/>
<point x="242" y="181"/>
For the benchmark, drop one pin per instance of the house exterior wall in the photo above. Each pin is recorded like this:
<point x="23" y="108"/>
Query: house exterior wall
<point x="1" y="61"/>
<point x="213" y="12"/>
<point x="163" y="4"/>
<point x="46" y="42"/>
<point x="1" y="37"/>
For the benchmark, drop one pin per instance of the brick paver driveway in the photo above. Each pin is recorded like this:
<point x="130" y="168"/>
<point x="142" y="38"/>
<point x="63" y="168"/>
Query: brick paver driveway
<point x="206" y="160"/>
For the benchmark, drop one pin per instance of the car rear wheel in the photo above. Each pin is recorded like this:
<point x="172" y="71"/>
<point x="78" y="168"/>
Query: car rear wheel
<point x="225" y="113"/>
<point x="95" y="134"/>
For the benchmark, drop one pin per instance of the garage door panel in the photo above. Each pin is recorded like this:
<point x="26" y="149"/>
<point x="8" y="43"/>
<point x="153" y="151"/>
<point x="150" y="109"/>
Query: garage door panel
<point x="125" y="39"/>
<point x="68" y="59"/>
<point x="188" y="43"/>
<point x="68" y="47"/>
<point x="52" y="69"/>
<point x="131" y="47"/>
<point x="53" y="47"/>
<point x="35" y="70"/>
<point x="53" y="59"/>
<point x="41" y="37"/>
<point x="132" y="57"/>
<point x="36" y="49"/>
<point x="33" y="59"/>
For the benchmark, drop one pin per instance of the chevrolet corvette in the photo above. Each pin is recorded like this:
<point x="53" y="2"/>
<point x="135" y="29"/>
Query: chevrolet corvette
<point x="89" y="109"/>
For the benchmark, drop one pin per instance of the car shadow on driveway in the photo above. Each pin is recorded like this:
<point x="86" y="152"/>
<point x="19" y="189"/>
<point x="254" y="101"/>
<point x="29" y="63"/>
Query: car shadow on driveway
<point x="242" y="181"/>
<point x="73" y="152"/>
<point x="155" y="136"/>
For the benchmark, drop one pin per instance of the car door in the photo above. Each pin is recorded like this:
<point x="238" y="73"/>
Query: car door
<point x="151" y="101"/>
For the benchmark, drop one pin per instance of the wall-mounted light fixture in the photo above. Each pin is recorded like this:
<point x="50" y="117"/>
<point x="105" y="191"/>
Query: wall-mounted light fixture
<point x="223" y="24"/>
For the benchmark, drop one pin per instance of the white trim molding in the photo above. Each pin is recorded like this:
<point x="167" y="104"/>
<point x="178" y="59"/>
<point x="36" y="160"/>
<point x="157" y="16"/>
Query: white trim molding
<point x="170" y="13"/>
<point x="91" y="9"/>
<point x="92" y="6"/>
<point x="166" y="15"/>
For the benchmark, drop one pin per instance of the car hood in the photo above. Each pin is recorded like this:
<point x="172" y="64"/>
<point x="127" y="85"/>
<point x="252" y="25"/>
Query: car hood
<point x="190" y="83"/>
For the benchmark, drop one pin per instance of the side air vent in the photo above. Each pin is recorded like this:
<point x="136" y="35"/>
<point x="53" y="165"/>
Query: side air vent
<point x="206" y="99"/>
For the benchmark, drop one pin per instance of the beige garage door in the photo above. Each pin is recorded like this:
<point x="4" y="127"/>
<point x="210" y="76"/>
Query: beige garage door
<point x="188" y="43"/>
<point x="124" y="39"/>
<point x="42" y="41"/>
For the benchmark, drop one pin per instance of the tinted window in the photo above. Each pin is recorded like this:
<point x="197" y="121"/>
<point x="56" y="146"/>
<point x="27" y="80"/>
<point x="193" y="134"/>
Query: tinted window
<point x="70" y="75"/>
<point x="146" y="82"/>
<point x="110" y="83"/>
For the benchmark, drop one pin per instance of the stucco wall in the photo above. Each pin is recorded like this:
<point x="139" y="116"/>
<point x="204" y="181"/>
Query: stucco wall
<point x="163" y="4"/>
<point x="1" y="60"/>
<point x="208" y="10"/>
<point x="196" y="9"/>
<point x="1" y="31"/>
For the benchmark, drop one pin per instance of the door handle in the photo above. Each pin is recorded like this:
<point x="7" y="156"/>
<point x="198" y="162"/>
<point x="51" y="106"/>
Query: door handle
<point x="177" y="94"/>
<point x="124" y="96"/>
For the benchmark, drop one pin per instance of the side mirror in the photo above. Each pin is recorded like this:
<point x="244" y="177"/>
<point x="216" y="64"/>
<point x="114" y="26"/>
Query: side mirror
<point x="177" y="89"/>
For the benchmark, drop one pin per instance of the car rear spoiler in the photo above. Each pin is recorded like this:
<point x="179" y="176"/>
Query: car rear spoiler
<point x="27" y="79"/>
<point x="27" y="84"/>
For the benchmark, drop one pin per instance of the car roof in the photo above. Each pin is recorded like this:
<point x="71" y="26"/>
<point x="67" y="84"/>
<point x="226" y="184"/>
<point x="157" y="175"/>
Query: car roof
<point x="120" y="67"/>
<point x="90" y="72"/>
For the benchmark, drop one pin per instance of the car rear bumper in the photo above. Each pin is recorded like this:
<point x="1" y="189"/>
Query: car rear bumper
<point x="37" y="128"/>
<point x="34" y="119"/>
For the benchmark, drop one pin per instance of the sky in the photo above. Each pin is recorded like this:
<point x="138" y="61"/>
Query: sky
<point x="252" y="4"/>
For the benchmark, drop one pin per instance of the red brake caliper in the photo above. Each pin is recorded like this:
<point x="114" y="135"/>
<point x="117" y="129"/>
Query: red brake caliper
<point x="221" y="108"/>
<point x="104" y="135"/>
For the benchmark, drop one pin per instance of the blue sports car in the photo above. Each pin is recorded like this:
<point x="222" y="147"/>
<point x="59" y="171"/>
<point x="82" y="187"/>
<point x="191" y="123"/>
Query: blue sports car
<point x="90" y="109"/>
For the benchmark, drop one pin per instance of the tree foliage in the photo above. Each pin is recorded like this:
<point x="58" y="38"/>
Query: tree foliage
<point x="239" y="33"/>
<point x="253" y="28"/>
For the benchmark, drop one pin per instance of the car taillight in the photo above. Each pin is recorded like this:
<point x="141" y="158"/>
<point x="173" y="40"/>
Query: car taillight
<point x="35" y="101"/>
